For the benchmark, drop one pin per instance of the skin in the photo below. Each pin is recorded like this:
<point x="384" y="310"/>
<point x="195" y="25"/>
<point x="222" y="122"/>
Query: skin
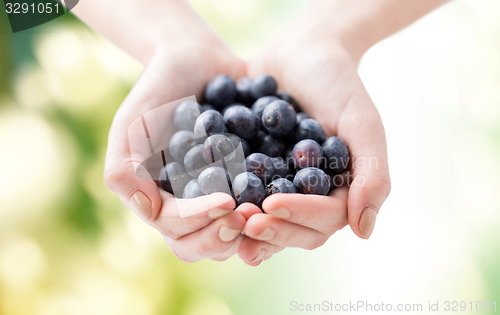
<point x="316" y="59"/>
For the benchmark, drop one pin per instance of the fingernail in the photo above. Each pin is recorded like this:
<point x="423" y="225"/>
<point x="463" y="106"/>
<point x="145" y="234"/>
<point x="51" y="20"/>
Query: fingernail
<point x="267" y="235"/>
<point x="141" y="204"/>
<point x="282" y="213"/>
<point x="367" y="222"/>
<point x="218" y="213"/>
<point x="259" y="256"/>
<point x="227" y="235"/>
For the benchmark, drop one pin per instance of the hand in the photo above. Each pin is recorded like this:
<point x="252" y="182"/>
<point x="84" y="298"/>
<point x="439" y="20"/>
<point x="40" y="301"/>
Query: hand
<point x="321" y="73"/>
<point x="176" y="71"/>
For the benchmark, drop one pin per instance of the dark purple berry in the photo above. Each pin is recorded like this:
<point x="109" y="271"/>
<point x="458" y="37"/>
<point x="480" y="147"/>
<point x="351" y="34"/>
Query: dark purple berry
<point x="280" y="185"/>
<point x="301" y="116"/>
<point x="218" y="147"/>
<point x="215" y="179"/>
<point x="279" y="118"/>
<point x="307" y="153"/>
<point x="194" y="162"/>
<point x="281" y="168"/>
<point x="205" y="107"/>
<point x="181" y="142"/>
<point x="244" y="91"/>
<point x="309" y="129"/>
<point x="311" y="180"/>
<point x="264" y="85"/>
<point x="260" y="104"/>
<point x="247" y="187"/>
<point x="261" y="165"/>
<point x="241" y="121"/>
<point x="209" y="122"/>
<point x="221" y="91"/>
<point x="336" y="155"/>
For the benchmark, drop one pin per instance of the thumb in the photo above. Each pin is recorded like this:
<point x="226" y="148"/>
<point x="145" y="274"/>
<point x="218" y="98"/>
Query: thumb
<point x="125" y="173"/>
<point x="365" y="136"/>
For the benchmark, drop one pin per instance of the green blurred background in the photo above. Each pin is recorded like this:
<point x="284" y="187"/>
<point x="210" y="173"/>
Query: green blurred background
<point x="67" y="245"/>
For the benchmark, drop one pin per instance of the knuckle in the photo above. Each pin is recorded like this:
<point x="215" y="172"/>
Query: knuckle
<point x="169" y="232"/>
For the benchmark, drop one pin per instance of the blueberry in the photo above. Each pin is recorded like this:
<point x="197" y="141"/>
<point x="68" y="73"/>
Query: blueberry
<point x="218" y="147"/>
<point x="205" y="107"/>
<point x="288" y="157"/>
<point x="185" y="115"/>
<point x="192" y="190"/>
<point x="247" y="187"/>
<point x="221" y="91"/>
<point x="279" y="118"/>
<point x="215" y="179"/>
<point x="173" y="177"/>
<point x="261" y="165"/>
<point x="301" y="116"/>
<point x="194" y="161"/>
<point x="244" y="91"/>
<point x="307" y="153"/>
<point x="209" y="122"/>
<point x="223" y="111"/>
<point x="280" y="185"/>
<point x="336" y="155"/>
<point x="260" y="104"/>
<point x="264" y="85"/>
<point x="241" y="121"/>
<point x="181" y="142"/>
<point x="309" y="129"/>
<point x="281" y="168"/>
<point x="289" y="99"/>
<point x="311" y="180"/>
<point x="271" y="146"/>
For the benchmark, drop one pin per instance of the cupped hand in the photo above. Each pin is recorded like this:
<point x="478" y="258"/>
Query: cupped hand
<point x="322" y="75"/>
<point x="175" y="71"/>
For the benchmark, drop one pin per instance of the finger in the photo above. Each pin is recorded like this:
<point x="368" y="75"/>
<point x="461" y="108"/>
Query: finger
<point x="248" y="209"/>
<point x="209" y="208"/>
<point x="233" y="250"/>
<point x="325" y="214"/>
<point x="254" y="252"/>
<point x="279" y="232"/>
<point x="361" y="127"/>
<point x="212" y="241"/>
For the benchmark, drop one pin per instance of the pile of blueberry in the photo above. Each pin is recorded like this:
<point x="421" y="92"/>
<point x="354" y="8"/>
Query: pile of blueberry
<point x="249" y="141"/>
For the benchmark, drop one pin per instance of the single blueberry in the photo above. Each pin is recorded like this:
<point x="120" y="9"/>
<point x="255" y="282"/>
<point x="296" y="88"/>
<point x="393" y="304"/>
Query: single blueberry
<point x="181" y="142"/>
<point x="264" y="85"/>
<point x="218" y="147"/>
<point x="247" y="187"/>
<point x="279" y="118"/>
<point x="311" y="180"/>
<point x="173" y="177"/>
<point x="261" y="165"/>
<point x="244" y="91"/>
<point x="237" y="141"/>
<point x="241" y="121"/>
<point x="280" y="185"/>
<point x="309" y="129"/>
<point x="221" y="91"/>
<point x="260" y="104"/>
<point x="185" y="115"/>
<point x="194" y="162"/>
<point x="336" y="155"/>
<point x="215" y="179"/>
<point x="209" y="122"/>
<point x="192" y="190"/>
<point x="307" y="153"/>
